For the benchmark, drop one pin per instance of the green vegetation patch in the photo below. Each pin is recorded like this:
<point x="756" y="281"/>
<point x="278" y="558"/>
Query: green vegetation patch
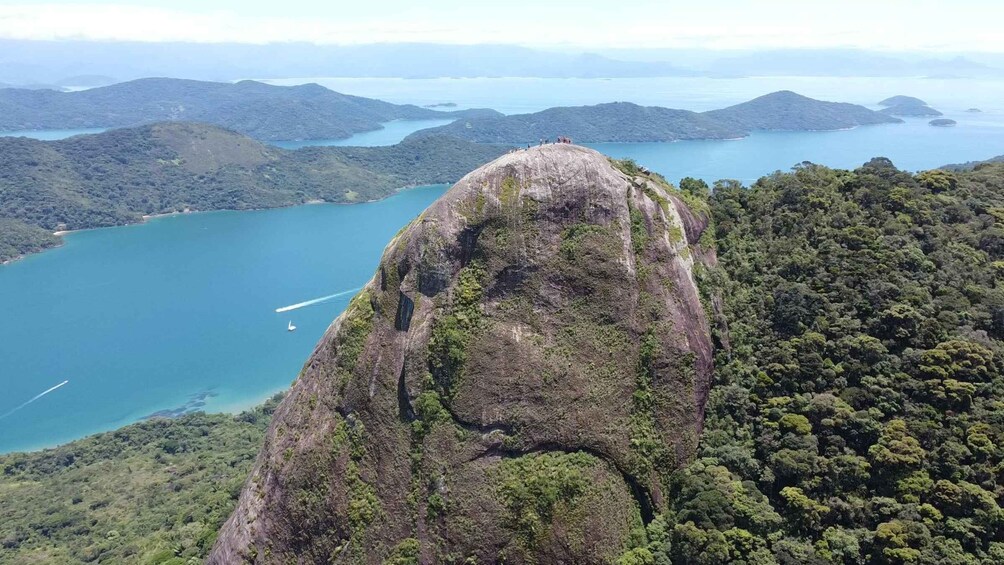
<point x="454" y="328"/>
<point x="535" y="488"/>
<point x="155" y="492"/>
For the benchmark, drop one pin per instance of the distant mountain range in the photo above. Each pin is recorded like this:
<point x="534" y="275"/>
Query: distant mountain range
<point x="256" y="109"/>
<point x="625" y="122"/>
<point x="116" y="177"/>
<point x="65" y="62"/>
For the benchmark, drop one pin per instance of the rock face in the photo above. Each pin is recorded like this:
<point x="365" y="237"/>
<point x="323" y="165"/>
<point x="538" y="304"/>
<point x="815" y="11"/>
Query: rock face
<point x="515" y="384"/>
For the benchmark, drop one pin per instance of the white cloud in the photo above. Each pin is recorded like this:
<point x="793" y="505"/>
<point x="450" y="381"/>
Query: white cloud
<point x="720" y="24"/>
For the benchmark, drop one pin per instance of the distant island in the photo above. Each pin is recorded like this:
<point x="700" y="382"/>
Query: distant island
<point x="259" y="110"/>
<point x="974" y="110"/>
<point x="907" y="106"/>
<point x="441" y="105"/>
<point x="942" y="123"/>
<point x="901" y="99"/>
<point x="117" y="177"/>
<point x="626" y="122"/>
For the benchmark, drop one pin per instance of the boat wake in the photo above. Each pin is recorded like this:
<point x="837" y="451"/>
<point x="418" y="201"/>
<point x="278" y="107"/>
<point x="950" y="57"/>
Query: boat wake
<point x="33" y="399"/>
<point x="299" y="305"/>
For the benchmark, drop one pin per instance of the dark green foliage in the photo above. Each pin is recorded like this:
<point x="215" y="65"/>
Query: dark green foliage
<point x="534" y="488"/>
<point x="18" y="238"/>
<point x="115" y="178"/>
<point x="151" y="493"/>
<point x="857" y="417"/>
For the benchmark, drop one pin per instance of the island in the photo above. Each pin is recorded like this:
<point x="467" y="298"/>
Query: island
<point x="441" y="105"/>
<point x="901" y="99"/>
<point x="259" y="110"/>
<point x="627" y="122"/>
<point x="120" y="176"/>
<point x="974" y="110"/>
<point x="907" y="106"/>
<point x="942" y="123"/>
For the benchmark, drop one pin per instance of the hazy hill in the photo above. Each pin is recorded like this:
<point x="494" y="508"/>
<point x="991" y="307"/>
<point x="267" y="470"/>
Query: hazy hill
<point x="616" y="121"/>
<point x="786" y="110"/>
<point x="115" y="177"/>
<point x="623" y="121"/>
<point x="260" y="110"/>
<point x="907" y="106"/>
<point x="902" y="99"/>
<point x="51" y="61"/>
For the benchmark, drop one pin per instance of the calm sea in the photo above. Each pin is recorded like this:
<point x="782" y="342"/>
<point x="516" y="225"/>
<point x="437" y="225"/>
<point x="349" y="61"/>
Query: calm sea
<point x="180" y="309"/>
<point x="179" y="313"/>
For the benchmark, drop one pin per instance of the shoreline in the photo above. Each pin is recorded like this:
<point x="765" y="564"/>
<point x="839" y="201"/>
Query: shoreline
<point x="232" y="409"/>
<point x="146" y="217"/>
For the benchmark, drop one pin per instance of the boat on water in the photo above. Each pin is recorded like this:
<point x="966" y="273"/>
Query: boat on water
<point x="290" y="326"/>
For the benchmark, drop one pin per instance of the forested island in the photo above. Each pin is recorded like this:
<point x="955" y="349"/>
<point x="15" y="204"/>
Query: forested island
<point x="907" y="106"/>
<point x="256" y="109"/>
<point x="624" y="121"/>
<point x="943" y="123"/>
<point x="117" y="177"/>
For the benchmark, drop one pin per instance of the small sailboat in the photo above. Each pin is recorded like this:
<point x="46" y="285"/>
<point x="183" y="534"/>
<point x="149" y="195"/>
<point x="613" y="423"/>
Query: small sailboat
<point x="291" y="327"/>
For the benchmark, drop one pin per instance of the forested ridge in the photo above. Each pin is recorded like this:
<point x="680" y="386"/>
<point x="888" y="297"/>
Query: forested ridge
<point x="858" y="405"/>
<point x="116" y="177"/>
<point x="262" y="111"/>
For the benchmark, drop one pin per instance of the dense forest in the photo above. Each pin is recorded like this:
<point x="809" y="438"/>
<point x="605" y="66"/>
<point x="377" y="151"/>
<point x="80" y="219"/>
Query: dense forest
<point x="153" y="493"/>
<point x="857" y="413"/>
<point x="116" y="177"/>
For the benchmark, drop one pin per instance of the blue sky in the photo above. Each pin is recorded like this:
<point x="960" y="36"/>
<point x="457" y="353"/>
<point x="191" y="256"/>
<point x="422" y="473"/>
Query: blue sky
<point x="933" y="25"/>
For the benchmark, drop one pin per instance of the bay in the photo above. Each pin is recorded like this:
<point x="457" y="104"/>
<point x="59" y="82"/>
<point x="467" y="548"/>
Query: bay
<point x="391" y="133"/>
<point x="178" y="311"/>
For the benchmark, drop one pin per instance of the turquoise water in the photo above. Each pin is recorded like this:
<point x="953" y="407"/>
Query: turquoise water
<point x="178" y="313"/>
<point x="149" y="317"/>
<point x="50" y="134"/>
<point x="392" y="132"/>
<point x="913" y="146"/>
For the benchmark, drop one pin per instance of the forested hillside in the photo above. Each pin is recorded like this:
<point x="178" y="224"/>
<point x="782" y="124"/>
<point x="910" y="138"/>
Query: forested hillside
<point x="624" y="121"/>
<point x="857" y="413"/>
<point x="260" y="110"/>
<point x="116" y="177"/>
<point x="152" y="493"/>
